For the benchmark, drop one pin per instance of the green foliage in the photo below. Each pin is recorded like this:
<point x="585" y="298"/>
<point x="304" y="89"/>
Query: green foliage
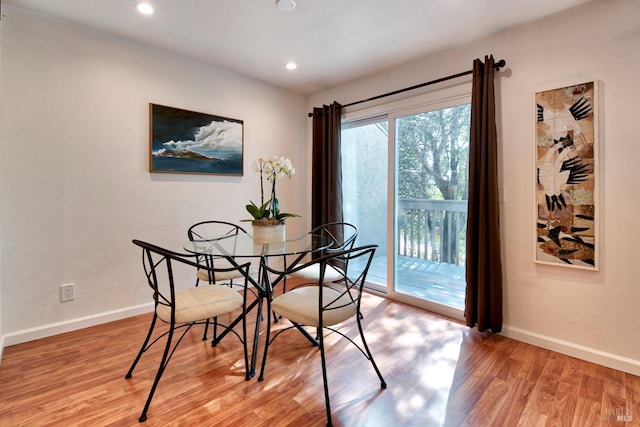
<point x="258" y="212"/>
<point x="280" y="216"/>
<point x="263" y="212"/>
<point x="433" y="152"/>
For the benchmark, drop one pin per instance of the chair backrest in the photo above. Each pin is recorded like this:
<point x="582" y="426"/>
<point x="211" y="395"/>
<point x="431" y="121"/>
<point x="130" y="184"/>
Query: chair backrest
<point x="159" y="267"/>
<point x="342" y="234"/>
<point x="352" y="285"/>
<point x="209" y="230"/>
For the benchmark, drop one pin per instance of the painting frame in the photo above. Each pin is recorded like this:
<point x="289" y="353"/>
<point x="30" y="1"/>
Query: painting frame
<point x="189" y="142"/>
<point x="566" y="145"/>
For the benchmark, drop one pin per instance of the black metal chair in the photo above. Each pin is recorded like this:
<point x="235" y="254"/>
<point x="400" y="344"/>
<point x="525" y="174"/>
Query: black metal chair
<point x="182" y="309"/>
<point x="322" y="306"/>
<point x="343" y="236"/>
<point x="220" y="270"/>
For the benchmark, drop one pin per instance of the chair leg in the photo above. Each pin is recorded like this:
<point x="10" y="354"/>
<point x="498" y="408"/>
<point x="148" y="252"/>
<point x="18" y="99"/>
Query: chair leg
<point x="214" y="340"/>
<point x="163" y="364"/>
<point x="206" y="326"/>
<point x="383" y="384"/>
<point x="324" y="378"/>
<point x="143" y="348"/>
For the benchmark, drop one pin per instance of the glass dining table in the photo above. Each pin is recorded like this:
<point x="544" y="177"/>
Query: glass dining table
<point x="238" y="247"/>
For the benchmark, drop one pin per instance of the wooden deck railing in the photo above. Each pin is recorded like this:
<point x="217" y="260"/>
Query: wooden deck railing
<point x="434" y="230"/>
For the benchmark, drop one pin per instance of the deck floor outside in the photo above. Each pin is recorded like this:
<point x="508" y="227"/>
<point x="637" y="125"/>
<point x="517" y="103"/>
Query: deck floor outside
<point x="439" y="282"/>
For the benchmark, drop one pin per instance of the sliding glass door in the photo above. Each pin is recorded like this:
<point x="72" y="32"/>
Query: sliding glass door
<point x="430" y="206"/>
<point x="405" y="188"/>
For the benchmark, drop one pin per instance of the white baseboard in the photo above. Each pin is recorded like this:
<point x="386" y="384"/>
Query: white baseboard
<point x="71" y="325"/>
<point x="609" y="360"/>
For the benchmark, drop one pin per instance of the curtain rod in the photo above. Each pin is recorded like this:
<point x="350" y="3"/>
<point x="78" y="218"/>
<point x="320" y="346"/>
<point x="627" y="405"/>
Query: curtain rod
<point x="501" y="63"/>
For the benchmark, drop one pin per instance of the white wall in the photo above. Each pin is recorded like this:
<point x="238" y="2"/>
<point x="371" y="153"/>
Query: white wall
<point x="75" y="187"/>
<point x="591" y="315"/>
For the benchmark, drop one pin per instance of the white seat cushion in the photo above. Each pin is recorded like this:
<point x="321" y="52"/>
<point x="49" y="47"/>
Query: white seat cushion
<point x="312" y="272"/>
<point x="222" y="276"/>
<point x="202" y="302"/>
<point x="300" y="305"/>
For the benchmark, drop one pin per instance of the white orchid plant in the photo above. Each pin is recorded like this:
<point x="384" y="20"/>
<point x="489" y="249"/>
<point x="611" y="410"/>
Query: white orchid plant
<point x="270" y="168"/>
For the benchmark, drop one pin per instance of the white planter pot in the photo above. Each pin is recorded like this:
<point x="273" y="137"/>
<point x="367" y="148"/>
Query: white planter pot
<point x="269" y="233"/>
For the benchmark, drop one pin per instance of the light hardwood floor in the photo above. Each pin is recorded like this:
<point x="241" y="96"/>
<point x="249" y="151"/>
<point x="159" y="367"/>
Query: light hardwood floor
<point x="439" y="373"/>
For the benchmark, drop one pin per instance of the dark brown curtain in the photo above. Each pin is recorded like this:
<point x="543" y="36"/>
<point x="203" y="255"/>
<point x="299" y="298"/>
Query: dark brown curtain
<point x="483" y="303"/>
<point x="326" y="172"/>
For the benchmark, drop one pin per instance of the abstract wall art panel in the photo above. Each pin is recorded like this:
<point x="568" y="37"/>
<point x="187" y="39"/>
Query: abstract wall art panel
<point x="566" y="176"/>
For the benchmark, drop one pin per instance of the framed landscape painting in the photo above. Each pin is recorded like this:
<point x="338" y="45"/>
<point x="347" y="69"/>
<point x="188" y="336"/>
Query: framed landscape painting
<point x="566" y="176"/>
<point x="183" y="141"/>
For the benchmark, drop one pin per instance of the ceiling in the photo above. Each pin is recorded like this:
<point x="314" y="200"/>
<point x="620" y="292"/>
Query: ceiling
<point x="332" y="41"/>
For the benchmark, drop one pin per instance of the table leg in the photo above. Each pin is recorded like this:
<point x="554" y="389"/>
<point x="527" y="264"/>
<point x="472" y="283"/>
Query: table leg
<point x="256" y="337"/>
<point x="306" y="334"/>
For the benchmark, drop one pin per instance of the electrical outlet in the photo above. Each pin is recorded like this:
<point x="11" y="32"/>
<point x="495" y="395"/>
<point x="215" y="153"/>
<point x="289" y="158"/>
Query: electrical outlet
<point x="67" y="292"/>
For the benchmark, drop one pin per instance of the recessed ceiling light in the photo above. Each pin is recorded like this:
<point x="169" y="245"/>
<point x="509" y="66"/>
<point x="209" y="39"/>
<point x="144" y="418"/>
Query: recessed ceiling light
<point x="286" y="5"/>
<point x="291" y="65"/>
<point x="145" y="8"/>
